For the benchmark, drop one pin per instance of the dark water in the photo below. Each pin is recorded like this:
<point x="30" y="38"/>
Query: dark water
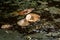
<point x="50" y="20"/>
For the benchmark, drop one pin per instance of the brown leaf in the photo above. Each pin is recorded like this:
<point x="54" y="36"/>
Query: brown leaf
<point x="26" y="11"/>
<point x="23" y="23"/>
<point x="32" y="17"/>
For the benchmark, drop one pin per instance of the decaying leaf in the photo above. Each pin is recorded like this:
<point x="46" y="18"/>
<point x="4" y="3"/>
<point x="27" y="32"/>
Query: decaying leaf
<point x="6" y="26"/>
<point x="32" y="17"/>
<point x="26" y="11"/>
<point x="23" y="23"/>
